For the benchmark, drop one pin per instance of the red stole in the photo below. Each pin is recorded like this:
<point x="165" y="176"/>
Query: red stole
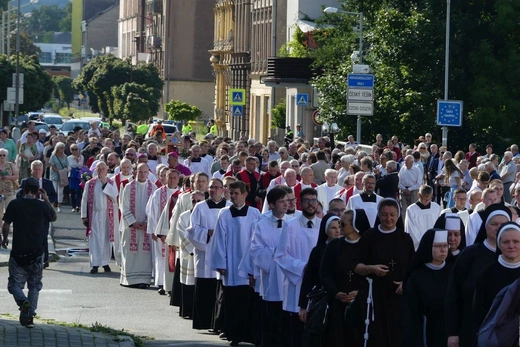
<point x="133" y="231"/>
<point x="243" y="176"/>
<point x="297" y="189"/>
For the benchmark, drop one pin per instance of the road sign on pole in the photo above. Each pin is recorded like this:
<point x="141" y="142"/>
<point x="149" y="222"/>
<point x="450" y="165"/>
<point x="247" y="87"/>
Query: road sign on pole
<point x="360" y="80"/>
<point x="237" y="110"/>
<point x="237" y="96"/>
<point x="302" y="99"/>
<point x="449" y="113"/>
<point x="11" y="95"/>
<point x="360" y="108"/>
<point x="360" y="94"/>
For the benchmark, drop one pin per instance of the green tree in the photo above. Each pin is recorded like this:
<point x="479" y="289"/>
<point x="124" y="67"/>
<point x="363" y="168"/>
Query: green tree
<point x="65" y="90"/>
<point x="45" y="19"/>
<point x="27" y="45"/>
<point x="182" y="111"/>
<point x="104" y="72"/>
<point x="132" y="101"/>
<point x="66" y="22"/>
<point x="279" y="112"/>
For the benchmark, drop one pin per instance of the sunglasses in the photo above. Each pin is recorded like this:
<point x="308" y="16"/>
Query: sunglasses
<point x="129" y="155"/>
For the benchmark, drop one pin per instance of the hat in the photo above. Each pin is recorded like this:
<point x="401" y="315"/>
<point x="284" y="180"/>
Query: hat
<point x="173" y="154"/>
<point x="142" y="155"/>
<point x="32" y="182"/>
<point x="42" y="131"/>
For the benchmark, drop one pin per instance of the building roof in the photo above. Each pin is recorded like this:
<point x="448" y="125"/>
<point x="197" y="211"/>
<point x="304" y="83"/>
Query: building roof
<point x="64" y="38"/>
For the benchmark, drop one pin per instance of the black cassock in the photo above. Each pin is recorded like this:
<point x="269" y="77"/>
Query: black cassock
<point x="458" y="309"/>
<point x="395" y="250"/>
<point x="489" y="283"/>
<point x="424" y="293"/>
<point x="337" y="275"/>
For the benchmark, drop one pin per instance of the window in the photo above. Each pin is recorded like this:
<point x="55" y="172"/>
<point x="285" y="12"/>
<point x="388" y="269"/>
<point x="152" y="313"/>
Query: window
<point x="45" y="57"/>
<point x="63" y="58"/>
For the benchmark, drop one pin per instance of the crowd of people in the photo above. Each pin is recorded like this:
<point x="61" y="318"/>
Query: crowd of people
<point x="258" y="243"/>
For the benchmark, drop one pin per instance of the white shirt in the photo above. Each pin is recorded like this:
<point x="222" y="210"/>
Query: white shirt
<point x="411" y="179"/>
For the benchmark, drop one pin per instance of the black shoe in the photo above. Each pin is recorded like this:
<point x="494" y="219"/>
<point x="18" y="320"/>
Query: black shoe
<point x="30" y="323"/>
<point x="46" y="265"/>
<point x="25" y="317"/>
<point x="143" y="286"/>
<point x="213" y="331"/>
<point x="223" y="336"/>
<point x="161" y="291"/>
<point x="107" y="268"/>
<point x="94" y="270"/>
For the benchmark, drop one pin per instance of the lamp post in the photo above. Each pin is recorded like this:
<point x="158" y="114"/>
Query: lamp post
<point x="17" y="77"/>
<point x="360" y="54"/>
<point x="446" y="68"/>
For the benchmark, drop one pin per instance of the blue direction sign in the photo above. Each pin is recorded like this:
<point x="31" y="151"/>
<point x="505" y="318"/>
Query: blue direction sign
<point x="238" y="110"/>
<point x="360" y="80"/>
<point x="302" y="99"/>
<point x="449" y="113"/>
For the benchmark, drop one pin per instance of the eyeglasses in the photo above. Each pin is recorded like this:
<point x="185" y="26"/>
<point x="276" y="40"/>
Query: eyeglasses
<point x="2" y="155"/>
<point x="73" y="149"/>
<point x="215" y="187"/>
<point x="309" y="201"/>
<point x="129" y="155"/>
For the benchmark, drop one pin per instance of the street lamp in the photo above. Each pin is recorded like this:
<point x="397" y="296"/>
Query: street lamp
<point x="359" y="54"/>
<point x="331" y="130"/>
<point x="446" y="68"/>
<point x="6" y="25"/>
<point x="17" y="77"/>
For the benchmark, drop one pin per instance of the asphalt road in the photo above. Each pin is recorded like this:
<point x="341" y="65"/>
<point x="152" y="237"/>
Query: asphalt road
<point x="71" y="294"/>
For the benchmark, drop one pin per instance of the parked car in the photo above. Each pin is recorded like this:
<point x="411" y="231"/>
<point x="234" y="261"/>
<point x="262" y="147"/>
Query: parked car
<point x="54" y="119"/>
<point x="69" y="125"/>
<point x="35" y="115"/>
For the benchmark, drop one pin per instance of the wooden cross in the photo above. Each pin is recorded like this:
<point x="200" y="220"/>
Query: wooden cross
<point x="392" y="264"/>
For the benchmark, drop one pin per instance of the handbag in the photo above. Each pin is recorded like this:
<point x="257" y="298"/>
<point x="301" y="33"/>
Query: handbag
<point x="64" y="180"/>
<point x="317" y="311"/>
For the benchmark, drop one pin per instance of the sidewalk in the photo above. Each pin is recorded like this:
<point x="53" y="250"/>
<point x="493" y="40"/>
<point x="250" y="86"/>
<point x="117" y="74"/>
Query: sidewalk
<point x="44" y="334"/>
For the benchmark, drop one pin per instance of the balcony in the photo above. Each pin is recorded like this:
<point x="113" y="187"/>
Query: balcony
<point x="289" y="72"/>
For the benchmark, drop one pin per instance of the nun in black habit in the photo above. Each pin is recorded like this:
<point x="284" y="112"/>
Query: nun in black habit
<point x="456" y="233"/>
<point x="499" y="274"/>
<point x="458" y="309"/>
<point x="342" y="283"/>
<point x="385" y="252"/>
<point x="425" y="291"/>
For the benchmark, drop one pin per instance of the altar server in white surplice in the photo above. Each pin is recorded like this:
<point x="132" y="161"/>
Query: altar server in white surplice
<point x="136" y="259"/>
<point x="231" y="241"/>
<point x="298" y="238"/>
<point x="186" y="256"/>
<point x="200" y="234"/>
<point x="154" y="209"/>
<point x="266" y="237"/>
<point x="368" y="200"/>
<point x="99" y="209"/>
<point x="422" y="215"/>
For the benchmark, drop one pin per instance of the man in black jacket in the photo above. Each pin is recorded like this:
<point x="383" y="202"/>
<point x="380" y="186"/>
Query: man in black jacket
<point x="386" y="186"/>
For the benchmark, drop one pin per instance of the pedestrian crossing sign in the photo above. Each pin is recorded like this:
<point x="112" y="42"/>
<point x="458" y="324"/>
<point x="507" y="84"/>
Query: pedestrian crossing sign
<point x="237" y="96"/>
<point x="238" y="110"/>
<point x="302" y="99"/>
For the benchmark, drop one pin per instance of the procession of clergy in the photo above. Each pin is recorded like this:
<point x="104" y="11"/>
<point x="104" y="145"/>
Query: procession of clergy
<point x="239" y="234"/>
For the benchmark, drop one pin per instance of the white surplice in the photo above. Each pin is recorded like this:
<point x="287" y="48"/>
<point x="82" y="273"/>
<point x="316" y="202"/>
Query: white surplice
<point x="136" y="267"/>
<point x="356" y="202"/>
<point x="326" y="194"/>
<point x="100" y="247"/>
<point x="232" y="239"/>
<point x="474" y="224"/>
<point x="203" y="219"/>
<point x="266" y="237"/>
<point x="186" y="251"/>
<point x="154" y="210"/>
<point x="418" y="221"/>
<point x="292" y="254"/>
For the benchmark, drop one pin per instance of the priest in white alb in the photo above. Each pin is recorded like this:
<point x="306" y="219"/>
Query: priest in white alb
<point x="136" y="259"/>
<point x="99" y="211"/>
<point x="154" y="209"/>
